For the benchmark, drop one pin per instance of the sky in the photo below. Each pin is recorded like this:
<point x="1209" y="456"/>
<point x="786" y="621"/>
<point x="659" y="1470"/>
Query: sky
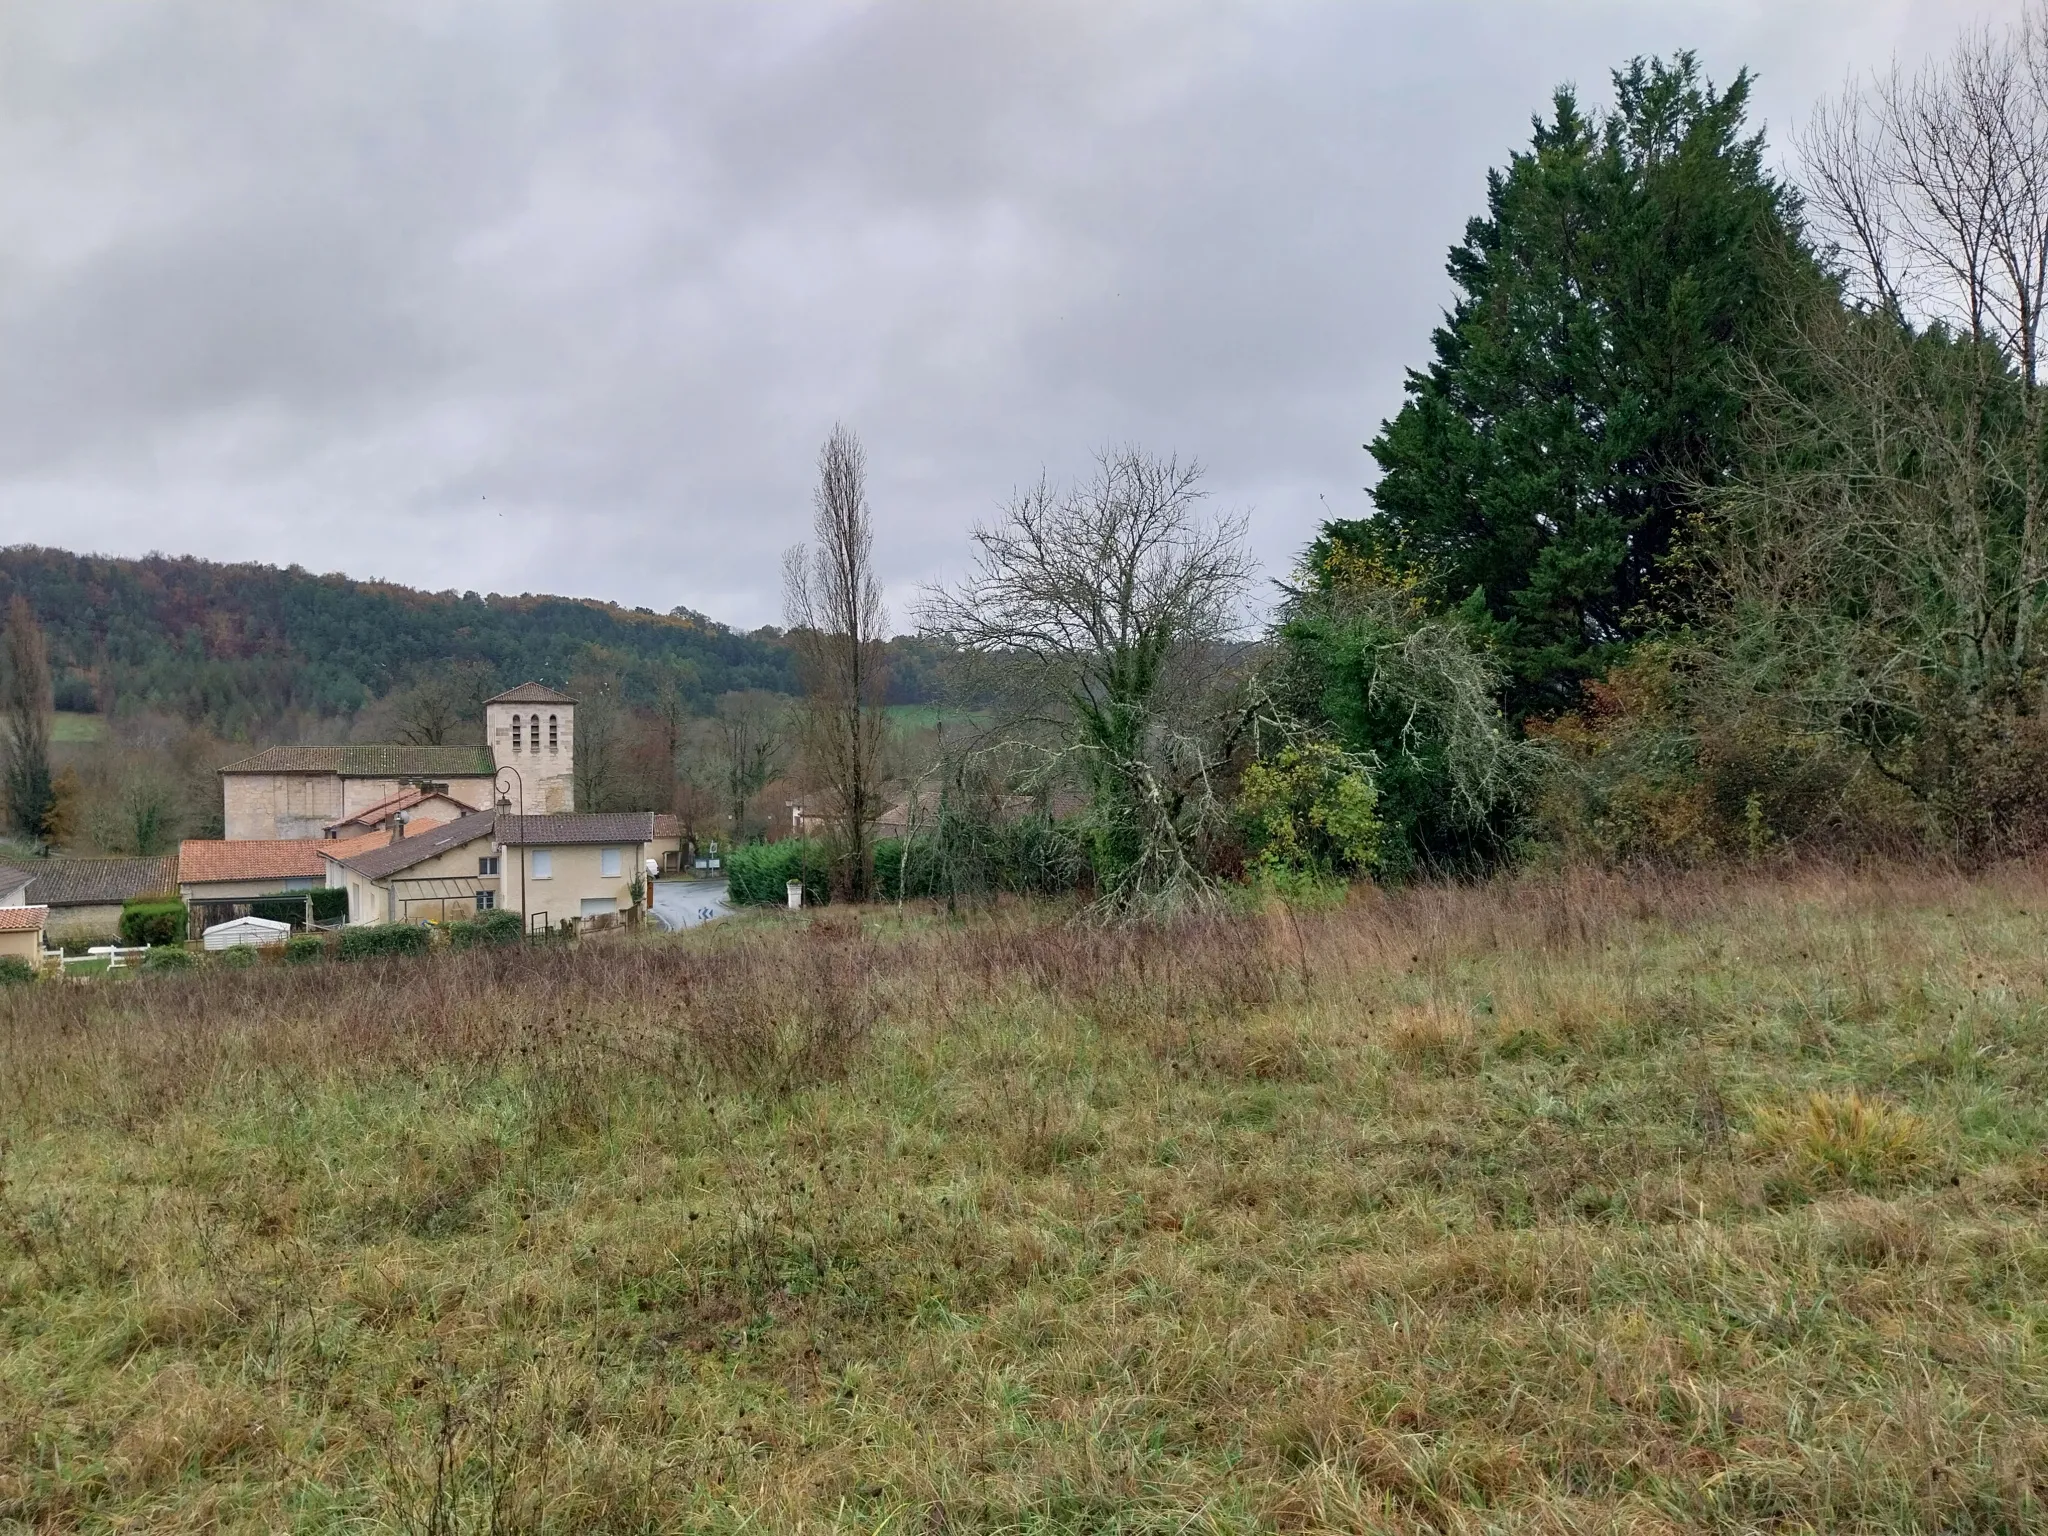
<point x="527" y="296"/>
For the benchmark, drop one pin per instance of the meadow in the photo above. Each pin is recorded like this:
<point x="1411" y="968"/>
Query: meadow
<point x="1567" y="1203"/>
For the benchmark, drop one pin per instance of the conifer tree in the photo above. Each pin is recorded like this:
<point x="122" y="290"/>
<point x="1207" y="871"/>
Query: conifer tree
<point x="1585" y="383"/>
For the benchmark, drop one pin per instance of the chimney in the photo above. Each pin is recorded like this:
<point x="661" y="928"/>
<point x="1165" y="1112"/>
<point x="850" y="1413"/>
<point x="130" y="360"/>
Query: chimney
<point x="397" y="826"/>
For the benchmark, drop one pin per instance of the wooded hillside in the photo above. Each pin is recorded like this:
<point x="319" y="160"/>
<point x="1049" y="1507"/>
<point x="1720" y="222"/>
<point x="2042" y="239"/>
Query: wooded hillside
<point x="235" y="647"/>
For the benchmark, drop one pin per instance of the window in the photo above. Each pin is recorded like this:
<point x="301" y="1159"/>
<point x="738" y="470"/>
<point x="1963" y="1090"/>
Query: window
<point x="487" y="864"/>
<point x="543" y="864"/>
<point x="515" y="733"/>
<point x="533" y="731"/>
<point x="608" y="863"/>
<point x="554" y="740"/>
<point x="486" y="900"/>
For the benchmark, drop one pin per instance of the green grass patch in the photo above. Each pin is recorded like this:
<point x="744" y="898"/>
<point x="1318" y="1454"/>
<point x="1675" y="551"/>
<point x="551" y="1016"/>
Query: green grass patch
<point x="1564" y="1204"/>
<point x="73" y="727"/>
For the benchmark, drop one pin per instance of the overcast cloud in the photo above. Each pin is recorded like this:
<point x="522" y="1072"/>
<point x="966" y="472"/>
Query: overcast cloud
<point x="529" y="296"/>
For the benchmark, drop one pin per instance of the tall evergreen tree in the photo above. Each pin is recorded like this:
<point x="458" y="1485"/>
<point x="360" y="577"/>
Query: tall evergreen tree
<point x="25" y="705"/>
<point x="1585" y="380"/>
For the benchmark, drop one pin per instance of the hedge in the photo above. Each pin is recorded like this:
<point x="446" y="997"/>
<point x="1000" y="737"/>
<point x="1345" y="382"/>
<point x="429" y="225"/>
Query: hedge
<point x="14" y="970"/>
<point x="302" y="947"/>
<point x="383" y="939"/>
<point x="153" y="923"/>
<point x="1034" y="857"/>
<point x="169" y="959"/>
<point x="330" y="904"/>
<point x="490" y="929"/>
<point x="759" y="875"/>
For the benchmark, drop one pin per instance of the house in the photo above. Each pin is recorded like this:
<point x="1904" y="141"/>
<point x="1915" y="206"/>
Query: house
<point x="577" y="865"/>
<point x="441" y="872"/>
<point x="85" y="896"/>
<point x="219" y="879"/>
<point x="413" y="804"/>
<point x="547" y="867"/>
<point x="21" y="933"/>
<point x="14" y="884"/>
<point x="287" y="793"/>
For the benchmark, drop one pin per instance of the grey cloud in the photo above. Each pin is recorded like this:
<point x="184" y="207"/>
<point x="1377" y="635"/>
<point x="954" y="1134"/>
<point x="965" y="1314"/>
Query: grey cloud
<point x="562" y="296"/>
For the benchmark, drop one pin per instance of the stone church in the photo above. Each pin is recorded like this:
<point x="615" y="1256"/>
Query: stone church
<point x="316" y="792"/>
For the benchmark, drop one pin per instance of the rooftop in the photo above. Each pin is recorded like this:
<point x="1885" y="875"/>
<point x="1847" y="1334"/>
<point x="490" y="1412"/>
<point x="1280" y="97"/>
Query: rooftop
<point x="372" y="762"/>
<point x="531" y="693"/>
<point x="99" y="882"/>
<point x="577" y="827"/>
<point x="22" y="919"/>
<point x="390" y="805"/>
<point x="204" y="861"/>
<point x="423" y="843"/>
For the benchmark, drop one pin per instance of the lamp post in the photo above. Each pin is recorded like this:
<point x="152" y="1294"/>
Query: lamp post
<point x="504" y="805"/>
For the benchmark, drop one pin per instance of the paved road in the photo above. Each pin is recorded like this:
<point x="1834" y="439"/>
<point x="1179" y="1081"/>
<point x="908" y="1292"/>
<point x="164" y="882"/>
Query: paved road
<point x="686" y="903"/>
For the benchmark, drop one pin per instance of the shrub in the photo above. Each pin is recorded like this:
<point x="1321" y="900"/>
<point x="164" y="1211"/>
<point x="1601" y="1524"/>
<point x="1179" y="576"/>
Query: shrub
<point x="304" y="947"/>
<point x="14" y="970"/>
<point x="168" y="958"/>
<point x="489" y="929"/>
<point x="966" y="855"/>
<point x="759" y="875"/>
<point x="153" y="923"/>
<point x="240" y="957"/>
<point x="383" y="939"/>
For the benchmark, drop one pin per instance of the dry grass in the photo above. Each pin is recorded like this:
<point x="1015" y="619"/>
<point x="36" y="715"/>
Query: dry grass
<point x="1559" y="1205"/>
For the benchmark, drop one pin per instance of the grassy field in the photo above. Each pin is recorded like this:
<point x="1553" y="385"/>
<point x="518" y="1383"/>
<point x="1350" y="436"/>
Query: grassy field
<point x="1559" y="1205"/>
<point x="68" y="727"/>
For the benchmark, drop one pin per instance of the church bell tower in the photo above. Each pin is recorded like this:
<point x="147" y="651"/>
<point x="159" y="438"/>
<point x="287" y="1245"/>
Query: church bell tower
<point x="532" y="729"/>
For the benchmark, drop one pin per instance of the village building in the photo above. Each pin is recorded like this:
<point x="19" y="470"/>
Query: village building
<point x="413" y="806"/>
<point x="21" y="933"/>
<point x="85" y="896"/>
<point x="288" y="793"/>
<point x="579" y="865"/>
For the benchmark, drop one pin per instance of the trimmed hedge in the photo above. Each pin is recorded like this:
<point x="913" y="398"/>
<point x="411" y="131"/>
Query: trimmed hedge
<point x="383" y="939"/>
<point x="490" y="929"/>
<point x="301" y="948"/>
<point x="153" y="923"/>
<point x="759" y="875"/>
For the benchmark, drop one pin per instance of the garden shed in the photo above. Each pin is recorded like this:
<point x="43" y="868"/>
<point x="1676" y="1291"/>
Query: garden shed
<point x="246" y="930"/>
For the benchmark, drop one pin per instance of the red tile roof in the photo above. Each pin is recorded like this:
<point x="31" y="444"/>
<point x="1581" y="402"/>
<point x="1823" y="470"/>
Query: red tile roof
<point x="22" y="919"/>
<point x="251" y="858"/>
<point x="531" y="693"/>
<point x="405" y="799"/>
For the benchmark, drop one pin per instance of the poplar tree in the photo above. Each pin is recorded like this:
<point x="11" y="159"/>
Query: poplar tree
<point x="25" y="707"/>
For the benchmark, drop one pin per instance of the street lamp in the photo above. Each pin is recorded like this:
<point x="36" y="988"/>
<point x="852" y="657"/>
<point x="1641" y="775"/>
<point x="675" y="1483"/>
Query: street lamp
<point x="504" y="805"/>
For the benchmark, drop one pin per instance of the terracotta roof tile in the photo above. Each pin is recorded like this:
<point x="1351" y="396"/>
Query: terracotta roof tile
<point x="202" y="862"/>
<point x="22" y="919"/>
<point x="386" y="857"/>
<point x="531" y="693"/>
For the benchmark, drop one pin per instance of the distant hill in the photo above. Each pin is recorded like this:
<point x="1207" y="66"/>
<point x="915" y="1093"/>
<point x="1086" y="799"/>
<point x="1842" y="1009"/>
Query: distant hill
<point x="242" y="646"/>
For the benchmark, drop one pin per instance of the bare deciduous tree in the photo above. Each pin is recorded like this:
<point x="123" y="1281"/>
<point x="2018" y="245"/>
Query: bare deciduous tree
<point x="833" y="605"/>
<point x="1109" y="604"/>
<point x="1935" y="186"/>
<point x="747" y="733"/>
